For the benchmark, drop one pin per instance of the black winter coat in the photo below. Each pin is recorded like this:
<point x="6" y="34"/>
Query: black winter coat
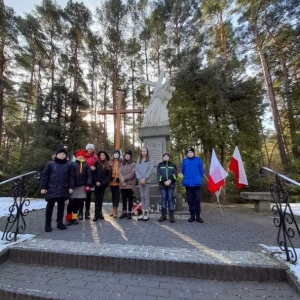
<point x="57" y="178"/>
<point x="101" y="174"/>
<point x="83" y="178"/>
<point x="166" y="171"/>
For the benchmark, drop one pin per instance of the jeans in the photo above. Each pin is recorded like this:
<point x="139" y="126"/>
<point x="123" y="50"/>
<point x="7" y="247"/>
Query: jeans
<point x="194" y="199"/>
<point x="167" y="197"/>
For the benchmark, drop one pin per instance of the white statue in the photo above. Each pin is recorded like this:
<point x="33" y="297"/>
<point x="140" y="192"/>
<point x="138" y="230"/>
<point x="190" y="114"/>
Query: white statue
<point x="157" y="112"/>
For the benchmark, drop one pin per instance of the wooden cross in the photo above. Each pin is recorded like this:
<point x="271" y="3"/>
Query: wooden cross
<point x="118" y="112"/>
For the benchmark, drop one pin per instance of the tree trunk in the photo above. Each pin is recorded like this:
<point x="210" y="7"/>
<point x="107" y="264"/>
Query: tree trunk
<point x="2" y="66"/>
<point x="271" y="97"/>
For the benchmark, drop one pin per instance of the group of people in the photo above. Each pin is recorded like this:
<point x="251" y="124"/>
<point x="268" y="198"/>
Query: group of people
<point x="75" y="180"/>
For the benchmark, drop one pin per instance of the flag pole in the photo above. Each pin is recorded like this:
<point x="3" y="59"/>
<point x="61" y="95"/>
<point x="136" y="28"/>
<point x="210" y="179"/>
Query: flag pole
<point x="217" y="194"/>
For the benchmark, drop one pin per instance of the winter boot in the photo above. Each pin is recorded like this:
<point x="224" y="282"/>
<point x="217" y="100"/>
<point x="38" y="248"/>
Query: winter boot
<point x="192" y="218"/>
<point x="198" y="219"/>
<point x="171" y="217"/>
<point x="68" y="219"/>
<point x="163" y="217"/>
<point x="74" y="219"/>
<point x="123" y="215"/>
<point x="48" y="228"/>
<point x="61" y="225"/>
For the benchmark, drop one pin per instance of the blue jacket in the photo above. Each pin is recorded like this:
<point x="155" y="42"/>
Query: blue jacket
<point x="57" y="178"/>
<point x="192" y="171"/>
<point x="166" y="171"/>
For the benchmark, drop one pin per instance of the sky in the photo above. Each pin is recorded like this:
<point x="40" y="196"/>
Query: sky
<point x="26" y="6"/>
<point x="36" y="204"/>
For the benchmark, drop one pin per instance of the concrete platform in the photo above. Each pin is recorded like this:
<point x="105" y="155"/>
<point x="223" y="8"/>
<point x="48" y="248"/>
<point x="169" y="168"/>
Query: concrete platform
<point x="130" y="259"/>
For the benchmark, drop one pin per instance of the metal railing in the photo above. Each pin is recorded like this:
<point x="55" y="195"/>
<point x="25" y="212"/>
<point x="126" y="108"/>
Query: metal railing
<point x="19" y="209"/>
<point x="284" y="218"/>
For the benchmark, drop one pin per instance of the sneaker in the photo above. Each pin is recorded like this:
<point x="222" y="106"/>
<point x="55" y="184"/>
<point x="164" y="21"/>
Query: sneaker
<point x="101" y="217"/>
<point x="123" y="215"/>
<point x="61" y="226"/>
<point x="199" y="220"/>
<point x="95" y="219"/>
<point x="191" y="219"/>
<point x="48" y="228"/>
<point x="129" y="215"/>
<point x="69" y="223"/>
<point x="75" y="222"/>
<point x="146" y="217"/>
<point x="80" y="217"/>
<point x="140" y="217"/>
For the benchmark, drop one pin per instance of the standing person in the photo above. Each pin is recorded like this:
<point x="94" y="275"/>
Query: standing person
<point x="143" y="171"/>
<point x="57" y="183"/>
<point x="115" y="182"/>
<point x="83" y="179"/>
<point x="90" y="159"/>
<point x="127" y="183"/>
<point x="101" y="178"/>
<point x="193" y="171"/>
<point x="166" y="175"/>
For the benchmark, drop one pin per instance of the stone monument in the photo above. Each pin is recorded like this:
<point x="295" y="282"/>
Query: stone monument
<point x="155" y="132"/>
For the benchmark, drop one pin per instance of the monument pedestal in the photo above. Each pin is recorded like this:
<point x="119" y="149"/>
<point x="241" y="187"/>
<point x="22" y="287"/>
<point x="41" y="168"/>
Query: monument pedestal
<point x="155" y="140"/>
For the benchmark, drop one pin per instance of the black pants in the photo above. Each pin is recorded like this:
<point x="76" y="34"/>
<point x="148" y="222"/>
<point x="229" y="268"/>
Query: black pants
<point x="60" y="209"/>
<point x="99" y="194"/>
<point x="115" y="195"/>
<point x="87" y="201"/>
<point x="127" y="195"/>
<point x="73" y="205"/>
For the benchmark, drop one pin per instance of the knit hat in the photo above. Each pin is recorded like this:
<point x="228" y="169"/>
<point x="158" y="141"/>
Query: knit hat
<point x="129" y="152"/>
<point x="90" y="146"/>
<point x="80" y="152"/>
<point x="190" y="149"/>
<point x="167" y="153"/>
<point x="61" y="149"/>
<point x="106" y="155"/>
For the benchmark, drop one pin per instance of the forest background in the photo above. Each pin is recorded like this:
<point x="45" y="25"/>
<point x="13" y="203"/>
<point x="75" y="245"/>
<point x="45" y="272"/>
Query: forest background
<point x="235" y="66"/>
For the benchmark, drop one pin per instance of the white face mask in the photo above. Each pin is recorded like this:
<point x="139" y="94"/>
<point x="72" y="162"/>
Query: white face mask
<point x="116" y="155"/>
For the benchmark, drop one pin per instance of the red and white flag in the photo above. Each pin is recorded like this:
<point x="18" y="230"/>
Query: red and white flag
<point x="217" y="174"/>
<point x="236" y="166"/>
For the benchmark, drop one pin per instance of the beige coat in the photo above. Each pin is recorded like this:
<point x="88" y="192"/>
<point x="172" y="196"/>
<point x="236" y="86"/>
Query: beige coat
<point x="127" y="175"/>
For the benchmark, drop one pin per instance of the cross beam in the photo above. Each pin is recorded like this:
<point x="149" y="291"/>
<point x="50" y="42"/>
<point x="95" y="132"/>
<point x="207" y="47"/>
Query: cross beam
<point x="118" y="112"/>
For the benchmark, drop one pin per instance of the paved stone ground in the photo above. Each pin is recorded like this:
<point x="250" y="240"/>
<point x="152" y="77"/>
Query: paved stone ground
<point x="234" y="236"/>
<point x="67" y="284"/>
<point x="239" y="229"/>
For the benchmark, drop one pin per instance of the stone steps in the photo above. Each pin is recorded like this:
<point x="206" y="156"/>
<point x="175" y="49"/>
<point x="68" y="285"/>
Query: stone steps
<point x="56" y="269"/>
